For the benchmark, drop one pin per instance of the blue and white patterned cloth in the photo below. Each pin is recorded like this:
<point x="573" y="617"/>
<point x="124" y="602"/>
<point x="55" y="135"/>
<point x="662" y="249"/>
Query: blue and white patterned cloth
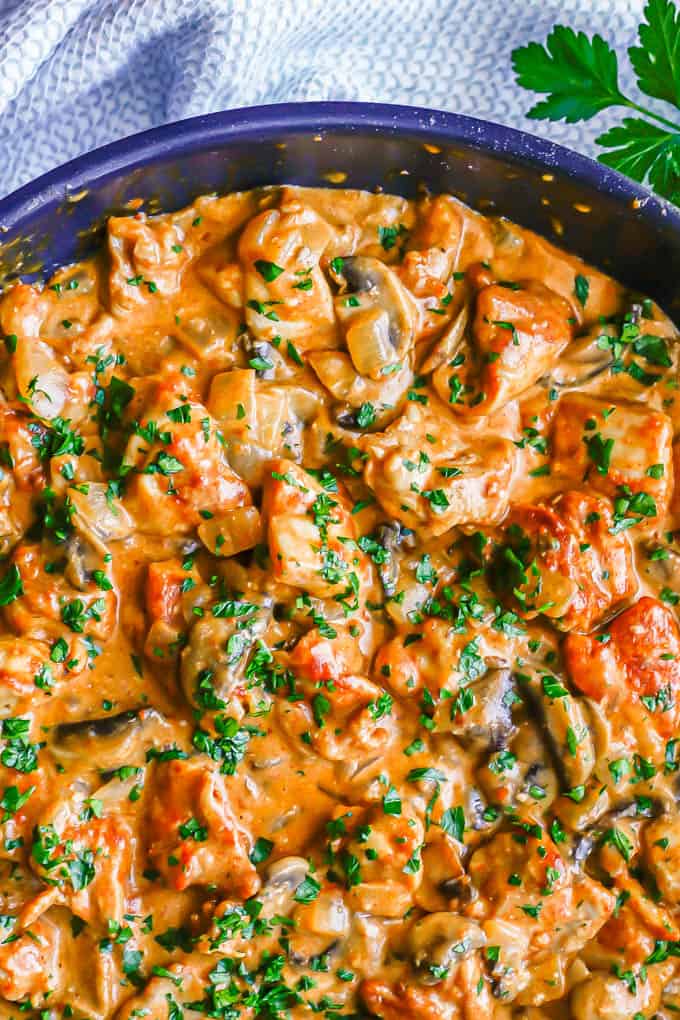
<point x="75" y="74"/>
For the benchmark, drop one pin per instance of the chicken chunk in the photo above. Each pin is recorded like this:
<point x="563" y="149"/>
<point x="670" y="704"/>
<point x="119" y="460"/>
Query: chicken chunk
<point x="88" y="855"/>
<point x="23" y="310"/>
<point x="29" y="963"/>
<point x="25" y="669"/>
<point x="168" y="584"/>
<point x="433" y="248"/>
<point x="608" y="997"/>
<point x="194" y="837"/>
<point x="537" y="908"/>
<point x="517" y="336"/>
<point x="147" y="259"/>
<point x="48" y="604"/>
<point x="622" y="450"/>
<point x="465" y="995"/>
<point x="379" y="856"/>
<point x="170" y="994"/>
<point x="19" y="437"/>
<point x="182" y="469"/>
<point x="287" y="294"/>
<point x="433" y="486"/>
<point x="563" y="561"/>
<point x="341" y="716"/>
<point x="633" y="671"/>
<point x="522" y="254"/>
<point x="312" y="536"/>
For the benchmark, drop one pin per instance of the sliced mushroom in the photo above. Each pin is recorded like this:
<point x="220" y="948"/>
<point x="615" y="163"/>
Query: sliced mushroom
<point x="440" y="941"/>
<point x="566" y="725"/>
<point x="364" y="403"/>
<point x="666" y="571"/>
<point x="376" y="312"/>
<point x="99" y="516"/>
<point x="82" y="559"/>
<point x="277" y="895"/>
<point x="539" y="784"/>
<point x="475" y="809"/>
<point x="109" y="741"/>
<point x="524" y="774"/>
<point x="583" y="360"/>
<point x="377" y="315"/>
<point x="481" y="716"/>
<point x="449" y="343"/>
<point x="391" y="536"/>
<point x="263" y="357"/>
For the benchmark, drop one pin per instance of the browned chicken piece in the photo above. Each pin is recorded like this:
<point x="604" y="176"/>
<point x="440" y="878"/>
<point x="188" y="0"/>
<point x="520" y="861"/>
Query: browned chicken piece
<point x="537" y="909"/>
<point x="166" y="995"/>
<point x="517" y="336"/>
<point x="30" y="963"/>
<point x="312" y="536"/>
<point x="86" y="853"/>
<point x="49" y="604"/>
<point x="192" y="830"/>
<point x="426" y="474"/>
<point x="623" y="450"/>
<point x="148" y="258"/>
<point x="341" y="714"/>
<point x="433" y="247"/>
<point x="562" y="560"/>
<point x="608" y="997"/>
<point x="464" y="995"/>
<point x="521" y="254"/>
<point x="182" y="472"/>
<point x="378" y="856"/>
<point x="633" y="672"/>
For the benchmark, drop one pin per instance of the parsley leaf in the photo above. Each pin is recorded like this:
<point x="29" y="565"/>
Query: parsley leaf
<point x="644" y="151"/>
<point x="453" y="822"/>
<point x="657" y="60"/>
<point x="579" y="75"/>
<point x="10" y="586"/>
<point x="581" y="289"/>
<point x="268" y="270"/>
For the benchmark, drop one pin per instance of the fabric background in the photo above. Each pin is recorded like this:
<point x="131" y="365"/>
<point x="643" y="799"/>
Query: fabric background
<point x="75" y="74"/>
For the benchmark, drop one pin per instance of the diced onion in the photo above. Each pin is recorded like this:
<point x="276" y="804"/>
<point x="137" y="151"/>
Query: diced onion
<point x="232" y="532"/>
<point x="41" y="380"/>
<point x="368" y="342"/>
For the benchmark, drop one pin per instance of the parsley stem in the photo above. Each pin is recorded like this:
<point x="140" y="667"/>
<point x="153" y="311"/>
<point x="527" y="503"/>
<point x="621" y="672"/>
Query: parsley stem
<point x="650" y="113"/>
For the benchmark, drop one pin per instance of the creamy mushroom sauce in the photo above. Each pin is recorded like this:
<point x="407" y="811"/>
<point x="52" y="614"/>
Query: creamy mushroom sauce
<point x="339" y="653"/>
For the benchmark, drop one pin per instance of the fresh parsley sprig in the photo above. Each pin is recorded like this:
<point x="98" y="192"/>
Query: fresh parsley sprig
<point x="580" y="77"/>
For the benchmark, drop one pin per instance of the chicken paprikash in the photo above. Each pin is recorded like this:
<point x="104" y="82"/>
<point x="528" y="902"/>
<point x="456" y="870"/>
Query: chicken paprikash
<point x="339" y="654"/>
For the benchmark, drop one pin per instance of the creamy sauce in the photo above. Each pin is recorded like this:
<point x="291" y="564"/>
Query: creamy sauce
<point x="339" y="655"/>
